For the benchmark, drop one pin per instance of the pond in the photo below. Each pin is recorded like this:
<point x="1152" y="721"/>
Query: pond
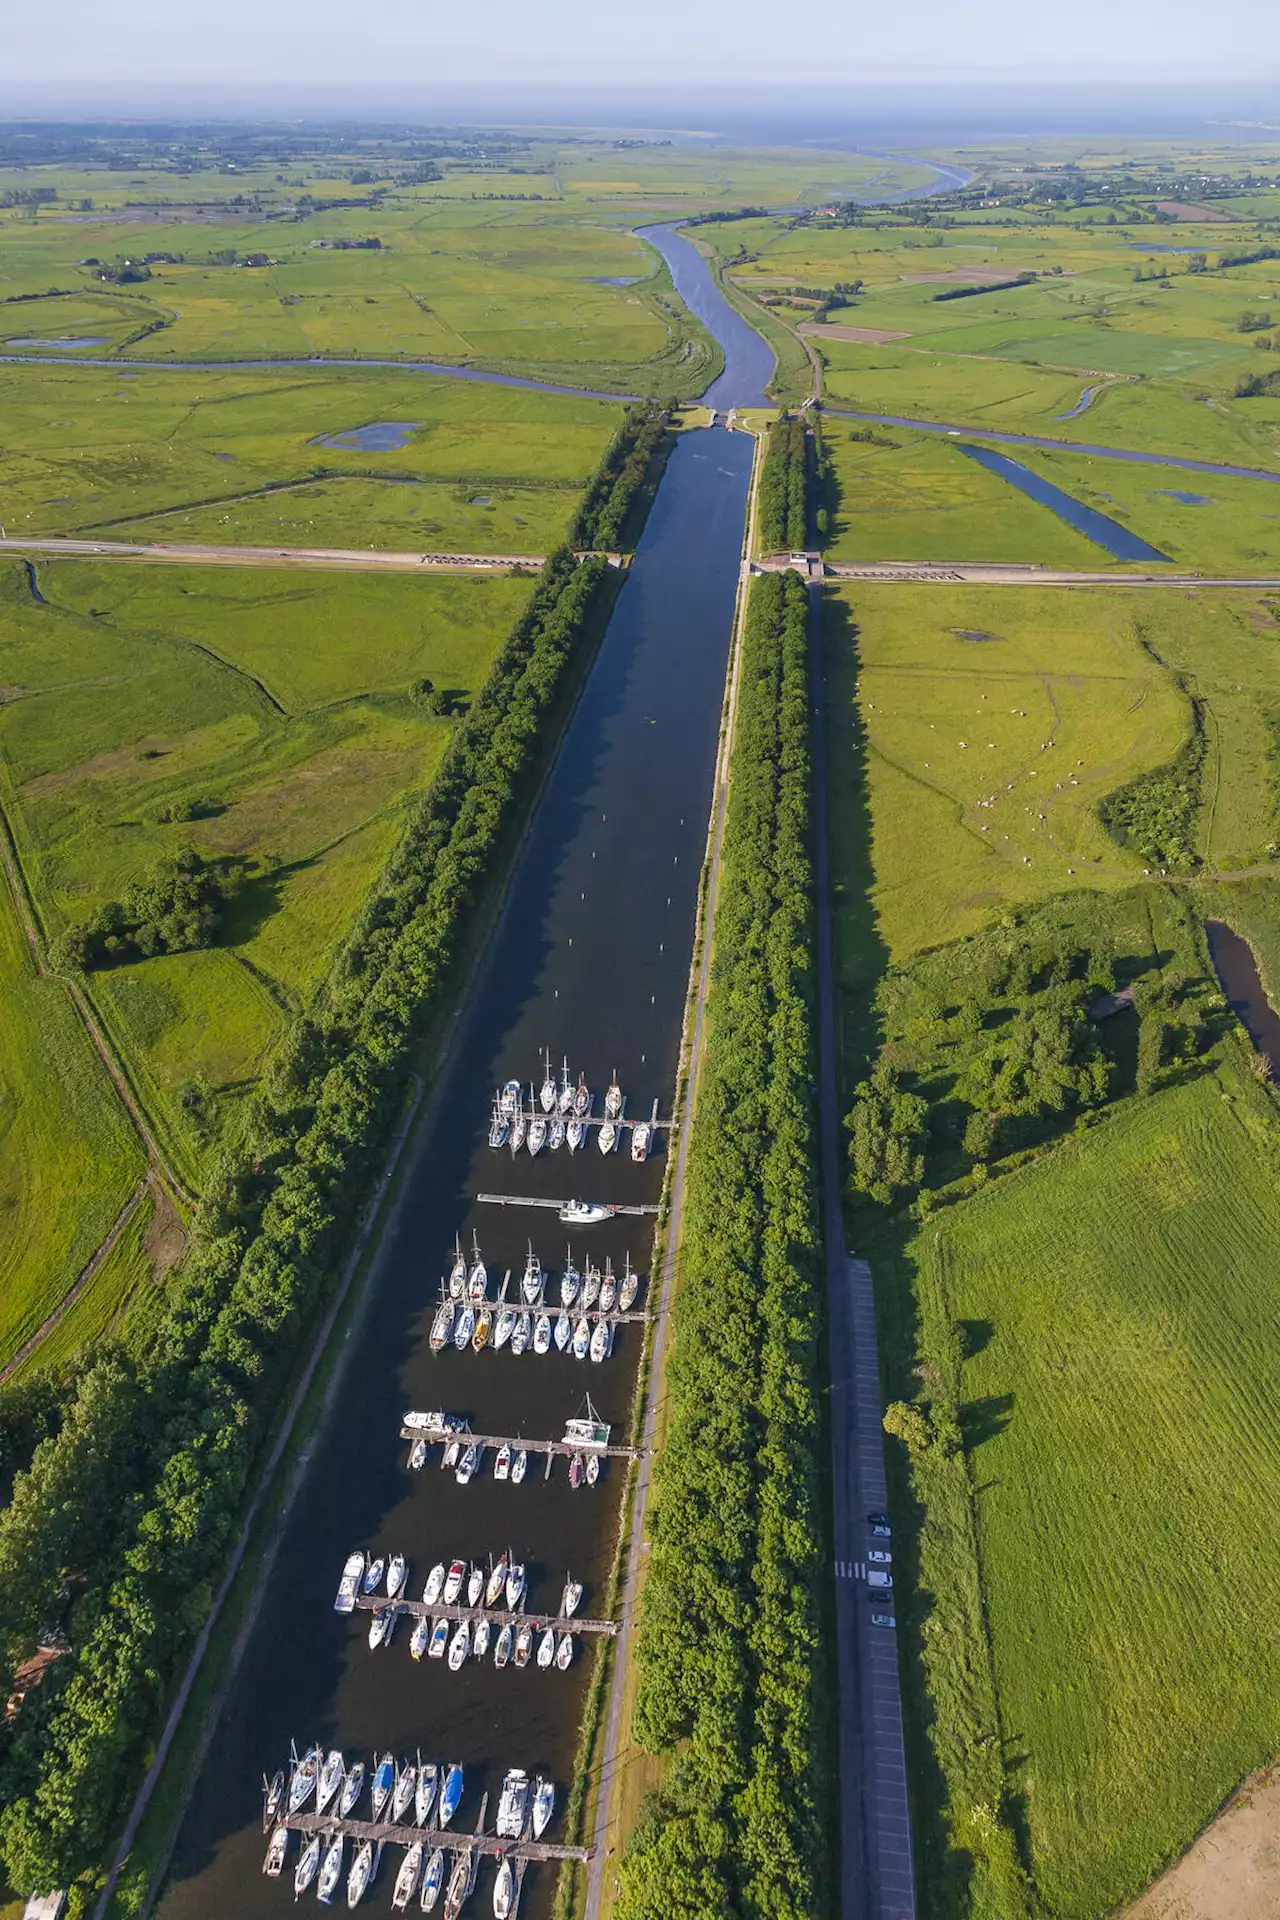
<point x="615" y="279"/>
<point x="62" y="346"/>
<point x="1187" y="499"/>
<point x="1095" y="526"/>
<point x="380" y="436"/>
<point x="1237" y="970"/>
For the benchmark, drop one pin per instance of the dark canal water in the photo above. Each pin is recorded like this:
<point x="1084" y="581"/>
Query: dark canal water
<point x="748" y="357"/>
<point x="1095" y="526"/>
<point x="1237" y="970"/>
<point x="590" y="960"/>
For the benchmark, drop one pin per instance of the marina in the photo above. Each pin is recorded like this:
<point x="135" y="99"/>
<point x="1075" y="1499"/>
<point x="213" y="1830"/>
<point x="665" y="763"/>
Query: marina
<point x="498" y="1617"/>
<point x="386" y="1835"/>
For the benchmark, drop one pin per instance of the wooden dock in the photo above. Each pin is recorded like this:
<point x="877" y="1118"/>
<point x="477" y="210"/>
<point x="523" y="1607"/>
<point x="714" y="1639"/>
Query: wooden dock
<point x="465" y="1437"/>
<point x="497" y="1616"/>
<point x="526" y="1200"/>
<point x="385" y="1835"/>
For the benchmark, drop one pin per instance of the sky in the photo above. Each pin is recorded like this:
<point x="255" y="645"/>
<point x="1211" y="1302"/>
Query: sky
<point x="427" y="56"/>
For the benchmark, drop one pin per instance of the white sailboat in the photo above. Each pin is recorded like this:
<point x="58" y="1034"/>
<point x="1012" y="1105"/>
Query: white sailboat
<point x="544" y="1802"/>
<point x="563" y="1330"/>
<point x="331" y="1871"/>
<point x="547" y="1092"/>
<point x="607" y="1136"/>
<point x="628" y="1287"/>
<point x="409" y="1875"/>
<point x="613" y="1099"/>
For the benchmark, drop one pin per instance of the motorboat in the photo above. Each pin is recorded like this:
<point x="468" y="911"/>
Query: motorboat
<point x="607" y="1136"/>
<point x="373" y="1574"/>
<point x="480" y="1638"/>
<point x="409" y="1875"/>
<point x="592" y="1281"/>
<point x="608" y="1289"/>
<point x="458" y="1271"/>
<point x="581" y="1338"/>
<point x="439" y="1640"/>
<point x="361" y="1873"/>
<point x="449" y="1458"/>
<point x="524" y="1644"/>
<point x="581" y="1099"/>
<point x="308" y="1862"/>
<point x="532" y="1282"/>
<point x="464" y="1326"/>
<point x="460" y="1646"/>
<point x="575" y="1133"/>
<point x="516" y="1584"/>
<point x="432" y="1881"/>
<point x="331" y="1871"/>
<point x="302" y="1783"/>
<point x="421" y="1635"/>
<point x="450" y="1793"/>
<point x="424" y="1794"/>
<point x="396" y="1572"/>
<point x="468" y="1463"/>
<point x="509" y="1098"/>
<point x="519" y="1131"/>
<point x="502" y="1652"/>
<point x="641" y="1140"/>
<point x="273" y="1865"/>
<point x="593" y="1468"/>
<point x="571" y="1598"/>
<point x="564" y="1652"/>
<point x="454" y="1582"/>
<point x="475" y="1586"/>
<point x="459" y="1886"/>
<point x="272" y="1797"/>
<point x="502" y="1462"/>
<point x="602" y="1340"/>
<point x="613" y="1099"/>
<point x="504" y="1327"/>
<point x="519" y="1466"/>
<point x="537" y="1138"/>
<point x="563" y="1331"/>
<point x="547" y="1647"/>
<point x="504" y="1891"/>
<point x="442" y="1325"/>
<point x="382" y="1626"/>
<point x="478" y="1277"/>
<point x="435" y="1585"/>
<point x="628" y="1287"/>
<point x="521" y="1333"/>
<point x="548" y="1091"/>
<point x="565" y="1100"/>
<point x="555" y="1133"/>
<point x="331" y="1774"/>
<point x="402" y="1794"/>
<point x="570" y="1280"/>
<point x="480" y="1335"/>
<point x="497" y="1581"/>
<point x="352" y="1788"/>
<point x="418" y="1455"/>
<point x="384" y="1779"/>
<point x="498" y="1128"/>
<point x="512" y="1804"/>
<point x="590" y="1431"/>
<point x="577" y="1470"/>
<point x="542" y="1333"/>
<point x="349" y="1585"/>
<point x="544" y="1805"/>
<point x="585" y="1213"/>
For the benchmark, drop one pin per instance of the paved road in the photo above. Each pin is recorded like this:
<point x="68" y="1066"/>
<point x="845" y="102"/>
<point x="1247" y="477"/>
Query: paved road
<point x="976" y="573"/>
<point x="349" y="559"/>
<point x="877" y="1879"/>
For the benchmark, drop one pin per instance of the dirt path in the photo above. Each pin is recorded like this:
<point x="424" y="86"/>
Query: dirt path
<point x="81" y="1281"/>
<point x="346" y="559"/>
<point x="1233" y="1870"/>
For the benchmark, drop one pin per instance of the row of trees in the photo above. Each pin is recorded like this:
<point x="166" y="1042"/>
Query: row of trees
<point x="629" y="461"/>
<point x="783" y="492"/>
<point x="139" y="1495"/>
<point x="729" y="1650"/>
<point x="180" y="905"/>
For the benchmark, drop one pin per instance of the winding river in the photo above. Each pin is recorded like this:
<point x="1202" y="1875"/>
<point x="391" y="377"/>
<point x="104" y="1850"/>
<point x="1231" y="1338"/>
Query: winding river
<point x="590" y="960"/>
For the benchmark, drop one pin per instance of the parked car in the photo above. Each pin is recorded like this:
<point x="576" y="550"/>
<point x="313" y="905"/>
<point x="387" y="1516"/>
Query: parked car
<point x="879" y="1619"/>
<point x="879" y="1557"/>
<point x="878" y="1580"/>
<point x="879" y="1523"/>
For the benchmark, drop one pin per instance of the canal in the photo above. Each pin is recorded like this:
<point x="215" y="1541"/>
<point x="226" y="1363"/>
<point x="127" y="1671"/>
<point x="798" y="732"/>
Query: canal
<point x="589" y="961"/>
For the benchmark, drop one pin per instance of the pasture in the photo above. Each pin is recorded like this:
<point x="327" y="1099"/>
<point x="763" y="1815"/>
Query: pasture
<point x="1207" y="522"/>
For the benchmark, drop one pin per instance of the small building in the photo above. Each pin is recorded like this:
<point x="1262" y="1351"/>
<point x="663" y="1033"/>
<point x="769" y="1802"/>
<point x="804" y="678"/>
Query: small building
<point x="44" y="1906"/>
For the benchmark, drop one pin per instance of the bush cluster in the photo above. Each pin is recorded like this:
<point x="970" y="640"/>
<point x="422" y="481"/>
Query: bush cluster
<point x="1155" y="814"/>
<point x="177" y="907"/>
<point x="728" y="1648"/>
<point x="599" y="521"/>
<point x="783" y="492"/>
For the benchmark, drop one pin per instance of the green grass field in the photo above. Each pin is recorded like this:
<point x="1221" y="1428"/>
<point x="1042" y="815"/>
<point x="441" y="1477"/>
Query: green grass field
<point x="1227" y="526"/>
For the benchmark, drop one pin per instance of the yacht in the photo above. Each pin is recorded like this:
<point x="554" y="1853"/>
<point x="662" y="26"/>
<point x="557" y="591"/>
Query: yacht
<point x="548" y="1091"/>
<point x="608" y="1289"/>
<point x="502" y="1462"/>
<point x="361" y="1873"/>
<point x="458" y="1271"/>
<point x="509" y="1098"/>
<point x="590" y="1431"/>
<point x="544" y="1805"/>
<point x="515" y="1585"/>
<point x="593" y="1468"/>
<point x="421" y="1635"/>
<point x="464" y="1326"/>
<point x="373" y="1575"/>
<point x="581" y="1338"/>
<point x="435" y="1585"/>
<point x="330" y="1780"/>
<point x="478" y="1273"/>
<point x="602" y="1340"/>
<point x="519" y="1466"/>
<point x="641" y="1140"/>
<point x="563" y="1330"/>
<point x="352" y="1788"/>
<point x="402" y="1794"/>
<point x="349" y="1585"/>
<point x="571" y="1598"/>
<point x="442" y="1325"/>
<point x="424" y="1794"/>
<point x="497" y="1581"/>
<point x="432" y="1881"/>
<point x="537" y="1134"/>
<point x="418" y="1454"/>
<point x="459" y="1886"/>
<point x="592" y="1282"/>
<point x="274" y="1862"/>
<point x="468" y="1463"/>
<point x="581" y="1100"/>
<point x="542" y="1333"/>
<point x="454" y="1582"/>
<point x="555" y="1133"/>
<point x="628" y="1287"/>
<point x="498" y="1128"/>
<point x="575" y="1133"/>
<point x="607" y="1136"/>
<point x="564" y="1652"/>
<point x="577" y="1467"/>
<point x="585" y="1213"/>
<point x="331" y="1871"/>
<point x="504" y="1327"/>
<point x="302" y="1782"/>
<point x="450" y="1794"/>
<point x="382" y="1626"/>
<point x="524" y="1644"/>
<point x="547" y="1647"/>
<point x="384" y="1779"/>
<point x="480" y="1638"/>
<point x="521" y="1333"/>
<point x="512" y="1804"/>
<point x="409" y="1875"/>
<point x="273" y="1797"/>
<point x="565" y="1100"/>
<point x="502" y="1652"/>
<point x="504" y="1891"/>
<point x="305" y="1871"/>
<point x="460" y="1645"/>
<point x="396" y="1571"/>
<point x="480" y="1336"/>
<point x="613" y="1099"/>
<point x="475" y="1586"/>
<point x="519" y="1131"/>
<point x="532" y="1283"/>
<point x="570" y="1280"/>
<point x="439" y="1640"/>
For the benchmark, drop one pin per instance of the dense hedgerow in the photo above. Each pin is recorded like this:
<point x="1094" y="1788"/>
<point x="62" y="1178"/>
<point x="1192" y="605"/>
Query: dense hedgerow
<point x="783" y="512"/>
<point x="628" y="463"/>
<point x="728" y="1648"/>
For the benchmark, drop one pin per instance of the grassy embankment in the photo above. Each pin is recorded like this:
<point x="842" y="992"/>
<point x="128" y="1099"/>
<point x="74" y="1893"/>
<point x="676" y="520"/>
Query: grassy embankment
<point x="1072" y="1312"/>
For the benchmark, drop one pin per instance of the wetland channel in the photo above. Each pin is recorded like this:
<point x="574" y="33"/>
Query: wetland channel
<point x="590" y="960"/>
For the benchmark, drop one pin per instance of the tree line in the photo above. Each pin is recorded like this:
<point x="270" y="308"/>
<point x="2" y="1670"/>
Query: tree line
<point x="180" y="905"/>
<point x="629" y="463"/>
<point x="138" y="1493"/>
<point x="731" y="1664"/>
<point x="783" y="492"/>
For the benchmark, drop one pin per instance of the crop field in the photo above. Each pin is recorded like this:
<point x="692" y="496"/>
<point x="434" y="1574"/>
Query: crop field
<point x="902" y="496"/>
<point x="273" y="710"/>
<point x="1122" y="1400"/>
<point x="994" y="720"/>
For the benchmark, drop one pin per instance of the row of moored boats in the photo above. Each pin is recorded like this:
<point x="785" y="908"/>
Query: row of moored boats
<point x="559" y="1115"/>
<point x="502" y="1587"/>
<point x="583" y="1323"/>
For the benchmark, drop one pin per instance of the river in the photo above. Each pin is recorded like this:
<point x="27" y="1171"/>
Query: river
<point x="590" y="959"/>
